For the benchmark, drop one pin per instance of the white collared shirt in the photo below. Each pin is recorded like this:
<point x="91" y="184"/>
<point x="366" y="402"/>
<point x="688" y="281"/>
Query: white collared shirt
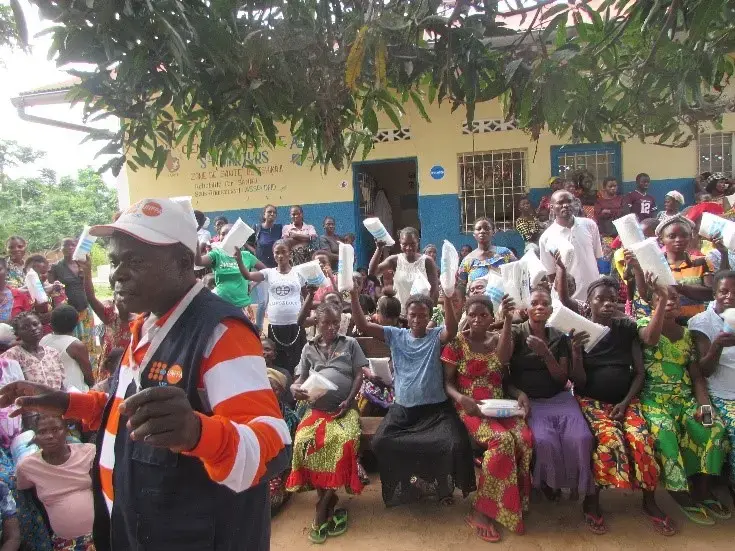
<point x="584" y="236"/>
<point x="722" y="382"/>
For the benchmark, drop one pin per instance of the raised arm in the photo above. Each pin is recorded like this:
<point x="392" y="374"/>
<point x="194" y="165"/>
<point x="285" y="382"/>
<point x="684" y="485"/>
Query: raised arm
<point x="247" y="274"/>
<point x="304" y="319"/>
<point x="94" y="302"/>
<point x="205" y="261"/>
<point x="363" y="325"/>
<point x="577" y="373"/>
<point x="560" y="284"/>
<point x="376" y="267"/>
<point x="505" y="343"/>
<point x="450" y="321"/>
<point x="651" y="333"/>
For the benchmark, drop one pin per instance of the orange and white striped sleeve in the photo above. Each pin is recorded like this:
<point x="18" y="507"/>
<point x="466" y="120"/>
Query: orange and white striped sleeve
<point x="87" y="407"/>
<point x="246" y="432"/>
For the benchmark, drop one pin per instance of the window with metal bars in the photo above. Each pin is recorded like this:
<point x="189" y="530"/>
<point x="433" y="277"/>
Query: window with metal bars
<point x="587" y="162"/>
<point x="490" y="185"/>
<point x="714" y="152"/>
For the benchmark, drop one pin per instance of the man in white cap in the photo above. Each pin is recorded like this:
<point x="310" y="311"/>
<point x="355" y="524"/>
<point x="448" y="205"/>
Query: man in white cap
<point x="191" y="431"/>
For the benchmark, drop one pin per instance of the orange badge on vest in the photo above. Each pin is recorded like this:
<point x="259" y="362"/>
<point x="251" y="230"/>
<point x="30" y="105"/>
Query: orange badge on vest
<point x="174" y="374"/>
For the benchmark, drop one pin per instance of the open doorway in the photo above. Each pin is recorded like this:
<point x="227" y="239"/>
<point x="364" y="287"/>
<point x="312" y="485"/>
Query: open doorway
<point x="389" y="190"/>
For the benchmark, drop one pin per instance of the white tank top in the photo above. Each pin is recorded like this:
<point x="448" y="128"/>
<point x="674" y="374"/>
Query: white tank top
<point x="405" y="275"/>
<point x="73" y="376"/>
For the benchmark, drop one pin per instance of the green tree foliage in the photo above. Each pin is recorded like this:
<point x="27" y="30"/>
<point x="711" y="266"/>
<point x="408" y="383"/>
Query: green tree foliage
<point x="218" y="75"/>
<point x="45" y="211"/>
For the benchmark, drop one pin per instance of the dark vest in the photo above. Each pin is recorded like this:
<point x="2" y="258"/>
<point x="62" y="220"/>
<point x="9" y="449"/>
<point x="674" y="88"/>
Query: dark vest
<point x="166" y="501"/>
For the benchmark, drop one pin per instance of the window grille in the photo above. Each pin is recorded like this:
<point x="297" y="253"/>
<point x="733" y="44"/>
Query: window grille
<point x="490" y="185"/>
<point x="482" y="126"/>
<point x="714" y="153"/>
<point x="392" y="135"/>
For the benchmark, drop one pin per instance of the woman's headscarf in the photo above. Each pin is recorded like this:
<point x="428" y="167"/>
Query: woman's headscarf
<point x="676" y="219"/>
<point x="676" y="196"/>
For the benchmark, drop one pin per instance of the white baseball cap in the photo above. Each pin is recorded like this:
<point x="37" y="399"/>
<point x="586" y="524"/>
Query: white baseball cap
<point x="155" y="221"/>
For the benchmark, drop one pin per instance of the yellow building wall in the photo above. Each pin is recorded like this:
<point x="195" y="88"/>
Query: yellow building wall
<point x="283" y="182"/>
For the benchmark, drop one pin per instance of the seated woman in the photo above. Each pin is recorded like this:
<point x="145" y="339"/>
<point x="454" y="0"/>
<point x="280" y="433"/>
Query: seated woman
<point x="473" y="372"/>
<point x="421" y="445"/>
<point x="539" y="369"/>
<point x="376" y="395"/>
<point x="279" y="383"/>
<point x="675" y="403"/>
<point x="60" y="473"/>
<point x="40" y="364"/>
<point x="716" y="350"/>
<point x="74" y="355"/>
<point x="327" y="439"/>
<point x="607" y="391"/>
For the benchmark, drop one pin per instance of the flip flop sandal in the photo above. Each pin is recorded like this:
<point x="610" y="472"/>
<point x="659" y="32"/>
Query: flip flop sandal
<point x="595" y="524"/>
<point x="338" y="523"/>
<point x="697" y="515"/>
<point x="486" y="532"/>
<point x="664" y="526"/>
<point x="318" y="534"/>
<point x="716" y="509"/>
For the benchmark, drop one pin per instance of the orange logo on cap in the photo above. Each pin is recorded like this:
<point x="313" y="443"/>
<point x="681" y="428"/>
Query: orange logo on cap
<point x="174" y="375"/>
<point x="152" y="208"/>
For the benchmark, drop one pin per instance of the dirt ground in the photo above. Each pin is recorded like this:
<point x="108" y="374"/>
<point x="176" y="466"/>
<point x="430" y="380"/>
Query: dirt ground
<point x="431" y="527"/>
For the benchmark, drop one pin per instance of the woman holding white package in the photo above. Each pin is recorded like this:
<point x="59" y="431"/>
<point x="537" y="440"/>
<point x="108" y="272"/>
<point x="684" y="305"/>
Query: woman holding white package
<point x="332" y="421"/>
<point x="693" y="276"/>
<point x="607" y="390"/>
<point x="485" y="258"/>
<point x="472" y="373"/>
<point x="408" y="266"/>
<point x="539" y="368"/>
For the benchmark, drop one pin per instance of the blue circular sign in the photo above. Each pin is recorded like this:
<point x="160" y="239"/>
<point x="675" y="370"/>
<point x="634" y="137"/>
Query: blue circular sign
<point x="437" y="172"/>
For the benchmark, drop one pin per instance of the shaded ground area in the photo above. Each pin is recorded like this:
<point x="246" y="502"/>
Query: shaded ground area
<point x="430" y="527"/>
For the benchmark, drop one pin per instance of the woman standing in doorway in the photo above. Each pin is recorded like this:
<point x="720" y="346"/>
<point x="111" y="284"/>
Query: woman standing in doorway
<point x="300" y="236"/>
<point x="485" y="257"/>
<point x="406" y="266"/>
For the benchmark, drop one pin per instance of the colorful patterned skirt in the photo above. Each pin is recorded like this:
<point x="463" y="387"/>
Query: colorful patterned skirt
<point x="325" y="453"/>
<point x="726" y="411"/>
<point x="684" y="447"/>
<point x="505" y="478"/>
<point x="624" y="455"/>
<point x="84" y="331"/>
<point x="82" y="543"/>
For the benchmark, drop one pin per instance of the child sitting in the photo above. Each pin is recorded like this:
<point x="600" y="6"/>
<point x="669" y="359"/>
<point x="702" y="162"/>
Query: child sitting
<point x="60" y="473"/>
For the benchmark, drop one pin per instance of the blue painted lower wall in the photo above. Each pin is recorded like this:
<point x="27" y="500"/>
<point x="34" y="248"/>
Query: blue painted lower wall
<point x="439" y="215"/>
<point x="658" y="188"/>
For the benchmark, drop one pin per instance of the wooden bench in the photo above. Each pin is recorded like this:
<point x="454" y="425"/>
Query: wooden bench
<point x="368" y="427"/>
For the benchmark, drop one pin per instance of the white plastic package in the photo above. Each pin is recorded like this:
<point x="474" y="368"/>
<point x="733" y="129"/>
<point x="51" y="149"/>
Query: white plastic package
<point x="652" y="259"/>
<point x="345" y="268"/>
<point x="501" y="408"/>
<point x="378" y="231"/>
<point x="313" y="274"/>
<point x="84" y="245"/>
<point x="495" y="290"/>
<point x="22" y="445"/>
<point x="35" y="287"/>
<point x="629" y="230"/>
<point x="380" y="368"/>
<point x="237" y="236"/>
<point x="536" y="270"/>
<point x="516" y="282"/>
<point x="565" y="248"/>
<point x="564" y="320"/>
<point x="317" y="385"/>
<point x="449" y="267"/>
<point x="729" y="317"/>
<point x="421" y="285"/>
<point x="712" y="224"/>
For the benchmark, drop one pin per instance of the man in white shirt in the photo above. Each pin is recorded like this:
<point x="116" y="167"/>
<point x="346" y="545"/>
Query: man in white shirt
<point x="581" y="233"/>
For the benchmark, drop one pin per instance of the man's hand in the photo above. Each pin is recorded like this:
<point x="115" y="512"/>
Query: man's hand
<point x="162" y="417"/>
<point x="31" y="397"/>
